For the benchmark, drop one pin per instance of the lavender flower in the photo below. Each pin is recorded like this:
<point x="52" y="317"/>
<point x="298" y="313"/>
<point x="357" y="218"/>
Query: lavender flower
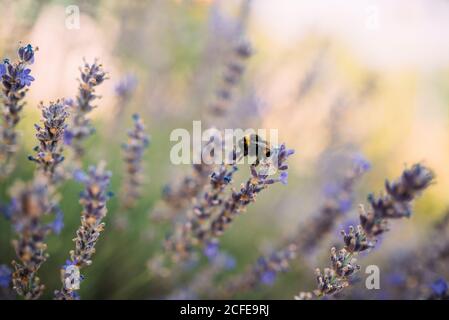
<point x="93" y="199"/>
<point x="126" y="86"/>
<point x="187" y="234"/>
<point x="124" y="90"/>
<point x="232" y="76"/>
<point x="179" y="194"/>
<point x="58" y="223"/>
<point x="267" y="269"/>
<point x="2" y="70"/>
<point x="439" y="290"/>
<point x="92" y="75"/>
<point x="239" y="200"/>
<point x="395" y="204"/>
<point x="50" y="134"/>
<point x="26" y="54"/>
<point x="133" y="152"/>
<point x="25" y="78"/>
<point x="211" y="250"/>
<point x="15" y="78"/>
<point x="5" y="276"/>
<point x="30" y="204"/>
<point x="204" y="225"/>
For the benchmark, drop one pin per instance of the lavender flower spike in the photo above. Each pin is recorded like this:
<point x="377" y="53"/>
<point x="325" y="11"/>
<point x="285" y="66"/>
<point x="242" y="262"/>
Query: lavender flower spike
<point x="49" y="151"/>
<point x="92" y="75"/>
<point x="338" y="202"/>
<point x="187" y="234"/>
<point x="395" y="204"/>
<point x="93" y="199"/>
<point x="124" y="90"/>
<point x="5" y="276"/>
<point x="30" y="204"/>
<point x="231" y="78"/>
<point x="125" y="87"/>
<point x="261" y="177"/>
<point x="213" y="213"/>
<point x="15" y="77"/>
<point x="133" y="152"/>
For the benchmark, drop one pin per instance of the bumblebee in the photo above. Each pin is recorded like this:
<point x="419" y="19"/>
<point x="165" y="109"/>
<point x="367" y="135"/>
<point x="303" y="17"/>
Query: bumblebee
<point x="253" y="145"/>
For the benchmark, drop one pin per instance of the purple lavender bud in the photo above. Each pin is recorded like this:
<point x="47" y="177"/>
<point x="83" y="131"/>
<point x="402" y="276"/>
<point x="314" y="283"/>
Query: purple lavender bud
<point x="93" y="199"/>
<point x="14" y="78"/>
<point x="346" y="224"/>
<point x="373" y="222"/>
<point x="239" y="200"/>
<point x="26" y="54"/>
<point x="133" y="152"/>
<point x="24" y="77"/>
<point x="410" y="184"/>
<point x="330" y="189"/>
<point x="68" y="137"/>
<point x="68" y="102"/>
<point x="211" y="249"/>
<point x="80" y="129"/>
<point x="361" y="163"/>
<point x="231" y="77"/>
<point x="32" y="204"/>
<point x="268" y="277"/>
<point x="439" y="287"/>
<point x="5" y="276"/>
<point x="283" y="178"/>
<point x="2" y="70"/>
<point x="50" y="136"/>
<point x="58" y="223"/>
<point x="230" y="262"/>
<point x="345" y="204"/>
<point x="125" y="87"/>
<point x="80" y="176"/>
<point x="7" y="209"/>
<point x="68" y="263"/>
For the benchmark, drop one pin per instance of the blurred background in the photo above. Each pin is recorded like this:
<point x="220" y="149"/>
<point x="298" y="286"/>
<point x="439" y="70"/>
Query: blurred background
<point x="336" y="78"/>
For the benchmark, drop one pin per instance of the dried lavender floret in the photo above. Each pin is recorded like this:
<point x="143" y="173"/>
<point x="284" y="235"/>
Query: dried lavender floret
<point x="15" y="78"/>
<point x="189" y="233"/>
<point x="259" y="180"/>
<point x="231" y="77"/>
<point x="338" y="201"/>
<point x="373" y="222"/>
<point x="93" y="199"/>
<point x="30" y="204"/>
<point x="5" y="276"/>
<point x="50" y="135"/>
<point x="91" y="76"/>
<point x="133" y="152"/>
<point x="439" y="290"/>
<point x="205" y="225"/>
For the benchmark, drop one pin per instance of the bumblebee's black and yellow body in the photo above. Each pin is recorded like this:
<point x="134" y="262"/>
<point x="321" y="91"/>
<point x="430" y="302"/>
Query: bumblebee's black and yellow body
<point x="254" y="146"/>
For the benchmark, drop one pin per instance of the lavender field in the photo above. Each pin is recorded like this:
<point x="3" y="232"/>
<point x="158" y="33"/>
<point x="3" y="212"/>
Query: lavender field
<point x="224" y="149"/>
